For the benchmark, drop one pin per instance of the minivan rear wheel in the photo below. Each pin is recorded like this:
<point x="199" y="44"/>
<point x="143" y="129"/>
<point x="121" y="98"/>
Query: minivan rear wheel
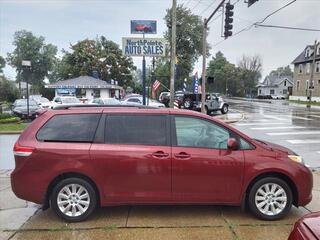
<point x="73" y="199"/>
<point x="270" y="198"/>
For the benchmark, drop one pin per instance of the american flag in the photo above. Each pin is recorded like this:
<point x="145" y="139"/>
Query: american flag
<point x="155" y="85"/>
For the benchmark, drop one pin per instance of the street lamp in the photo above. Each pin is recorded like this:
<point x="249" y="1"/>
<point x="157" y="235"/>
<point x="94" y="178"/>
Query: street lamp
<point x="27" y="65"/>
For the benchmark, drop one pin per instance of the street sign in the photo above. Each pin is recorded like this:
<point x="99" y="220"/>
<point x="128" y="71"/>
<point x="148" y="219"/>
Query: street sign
<point x="150" y="47"/>
<point x="143" y="26"/>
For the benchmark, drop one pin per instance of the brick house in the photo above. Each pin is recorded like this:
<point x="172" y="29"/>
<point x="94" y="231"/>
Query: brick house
<point x="302" y="73"/>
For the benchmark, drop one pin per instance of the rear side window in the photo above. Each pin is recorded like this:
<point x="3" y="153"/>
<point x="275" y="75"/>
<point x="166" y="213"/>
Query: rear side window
<point x="136" y="129"/>
<point x="69" y="128"/>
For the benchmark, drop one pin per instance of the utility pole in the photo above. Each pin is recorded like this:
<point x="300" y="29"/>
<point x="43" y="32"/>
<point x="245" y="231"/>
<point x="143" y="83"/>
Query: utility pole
<point x="173" y="50"/>
<point x="311" y="86"/>
<point x="204" y="56"/>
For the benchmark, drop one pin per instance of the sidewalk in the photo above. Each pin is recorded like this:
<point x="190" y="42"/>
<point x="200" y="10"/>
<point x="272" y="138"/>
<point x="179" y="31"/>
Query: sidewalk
<point x="22" y="220"/>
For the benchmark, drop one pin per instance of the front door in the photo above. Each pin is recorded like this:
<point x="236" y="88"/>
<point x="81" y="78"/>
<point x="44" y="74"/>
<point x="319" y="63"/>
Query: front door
<point x="204" y="169"/>
<point x="135" y="158"/>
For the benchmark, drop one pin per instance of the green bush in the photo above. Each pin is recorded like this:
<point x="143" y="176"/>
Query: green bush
<point x="10" y="120"/>
<point x="6" y="115"/>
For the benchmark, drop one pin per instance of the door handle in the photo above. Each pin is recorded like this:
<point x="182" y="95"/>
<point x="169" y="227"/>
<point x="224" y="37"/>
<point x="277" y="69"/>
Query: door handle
<point x="160" y="154"/>
<point x="182" y="155"/>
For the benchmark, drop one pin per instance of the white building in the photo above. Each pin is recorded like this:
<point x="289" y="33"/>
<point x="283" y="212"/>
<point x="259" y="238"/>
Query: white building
<point x="275" y="86"/>
<point x="86" y="87"/>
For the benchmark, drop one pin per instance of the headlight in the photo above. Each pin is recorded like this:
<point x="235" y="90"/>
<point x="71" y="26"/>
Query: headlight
<point x="296" y="158"/>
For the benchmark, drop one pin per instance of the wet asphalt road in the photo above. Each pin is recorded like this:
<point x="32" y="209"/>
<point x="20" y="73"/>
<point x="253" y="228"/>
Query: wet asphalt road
<point x="293" y="126"/>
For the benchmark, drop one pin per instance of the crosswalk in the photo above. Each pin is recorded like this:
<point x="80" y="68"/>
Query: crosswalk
<point x="299" y="133"/>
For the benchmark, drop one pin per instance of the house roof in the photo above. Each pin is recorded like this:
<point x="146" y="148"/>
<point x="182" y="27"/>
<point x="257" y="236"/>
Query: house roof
<point x="274" y="81"/>
<point x="83" y="82"/>
<point x="302" y="56"/>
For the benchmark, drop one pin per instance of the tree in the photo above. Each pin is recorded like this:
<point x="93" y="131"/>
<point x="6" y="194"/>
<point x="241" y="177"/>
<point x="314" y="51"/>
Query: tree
<point x="282" y="72"/>
<point x="8" y="91"/>
<point x="250" y="68"/>
<point x="224" y="74"/>
<point x="34" y="49"/>
<point x="2" y="64"/>
<point x="188" y="41"/>
<point x="89" y="57"/>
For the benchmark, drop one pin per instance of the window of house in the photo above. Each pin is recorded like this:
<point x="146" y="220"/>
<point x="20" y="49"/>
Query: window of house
<point x="69" y="128"/>
<point x="308" y="68"/>
<point x="259" y="91"/>
<point x="307" y="84"/>
<point x="96" y="93"/>
<point x="307" y="53"/>
<point x="136" y="129"/>
<point x="298" y="85"/>
<point x="300" y="68"/>
<point x="285" y="91"/>
<point x="271" y="91"/>
<point x="318" y="66"/>
<point x="285" y="83"/>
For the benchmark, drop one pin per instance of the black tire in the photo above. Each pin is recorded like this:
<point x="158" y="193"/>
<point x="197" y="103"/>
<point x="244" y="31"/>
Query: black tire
<point x="206" y="110"/>
<point x="252" y="198"/>
<point x="224" y="109"/>
<point x="187" y="104"/>
<point x="79" y="182"/>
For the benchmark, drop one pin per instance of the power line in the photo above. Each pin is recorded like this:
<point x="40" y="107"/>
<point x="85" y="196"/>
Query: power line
<point x="285" y="27"/>
<point x="263" y="20"/>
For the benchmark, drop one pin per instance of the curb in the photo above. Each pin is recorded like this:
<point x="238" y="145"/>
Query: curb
<point x="10" y="132"/>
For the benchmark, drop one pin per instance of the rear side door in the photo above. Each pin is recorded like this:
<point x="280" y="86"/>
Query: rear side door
<point x="134" y="159"/>
<point x="204" y="170"/>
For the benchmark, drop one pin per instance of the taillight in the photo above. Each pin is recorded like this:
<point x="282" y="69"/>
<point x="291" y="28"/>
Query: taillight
<point x="22" y="151"/>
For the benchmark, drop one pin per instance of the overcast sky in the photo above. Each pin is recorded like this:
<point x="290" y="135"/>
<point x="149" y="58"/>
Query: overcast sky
<point x="64" y="22"/>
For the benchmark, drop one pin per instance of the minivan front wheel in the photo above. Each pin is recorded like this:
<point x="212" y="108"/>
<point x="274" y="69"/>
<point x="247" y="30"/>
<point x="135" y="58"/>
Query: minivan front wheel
<point x="270" y="198"/>
<point x="73" y="199"/>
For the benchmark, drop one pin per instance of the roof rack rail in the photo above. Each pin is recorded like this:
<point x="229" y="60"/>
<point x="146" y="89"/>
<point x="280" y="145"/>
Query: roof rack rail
<point x="100" y="105"/>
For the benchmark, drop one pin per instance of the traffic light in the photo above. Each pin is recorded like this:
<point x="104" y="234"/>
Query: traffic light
<point x="250" y="2"/>
<point x="228" y="20"/>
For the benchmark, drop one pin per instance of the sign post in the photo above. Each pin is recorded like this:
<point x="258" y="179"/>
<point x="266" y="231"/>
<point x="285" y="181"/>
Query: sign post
<point x="152" y="47"/>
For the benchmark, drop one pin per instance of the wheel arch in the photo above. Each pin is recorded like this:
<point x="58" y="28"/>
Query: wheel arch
<point x="62" y="176"/>
<point x="279" y="175"/>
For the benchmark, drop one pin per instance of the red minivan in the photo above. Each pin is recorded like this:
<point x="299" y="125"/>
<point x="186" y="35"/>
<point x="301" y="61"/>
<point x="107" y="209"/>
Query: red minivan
<point x="77" y="159"/>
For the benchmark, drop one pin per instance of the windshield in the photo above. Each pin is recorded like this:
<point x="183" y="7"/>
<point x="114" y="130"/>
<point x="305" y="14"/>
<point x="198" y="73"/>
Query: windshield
<point x="111" y="101"/>
<point x="23" y="102"/>
<point x="70" y="100"/>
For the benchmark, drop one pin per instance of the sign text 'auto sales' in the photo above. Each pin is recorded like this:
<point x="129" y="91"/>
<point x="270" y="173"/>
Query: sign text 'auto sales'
<point x="153" y="47"/>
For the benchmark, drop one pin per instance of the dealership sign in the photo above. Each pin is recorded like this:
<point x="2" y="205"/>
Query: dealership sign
<point x="143" y="26"/>
<point x="152" y="47"/>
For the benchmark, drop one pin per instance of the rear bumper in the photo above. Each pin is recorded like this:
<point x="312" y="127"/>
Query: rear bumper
<point x="27" y="187"/>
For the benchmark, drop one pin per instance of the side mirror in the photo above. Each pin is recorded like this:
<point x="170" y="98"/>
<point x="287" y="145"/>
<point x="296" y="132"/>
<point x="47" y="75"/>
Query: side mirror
<point x="232" y="144"/>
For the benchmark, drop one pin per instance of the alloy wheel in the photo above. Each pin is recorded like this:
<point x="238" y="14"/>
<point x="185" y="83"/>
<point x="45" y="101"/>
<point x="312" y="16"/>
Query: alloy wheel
<point x="271" y="199"/>
<point x="73" y="200"/>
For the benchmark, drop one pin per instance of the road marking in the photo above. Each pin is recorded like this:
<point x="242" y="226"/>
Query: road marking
<point x="274" y="117"/>
<point x="294" y="133"/>
<point x="316" y="116"/>
<point x="304" y="141"/>
<point x="271" y="128"/>
<point x="302" y="118"/>
<point x="260" y="123"/>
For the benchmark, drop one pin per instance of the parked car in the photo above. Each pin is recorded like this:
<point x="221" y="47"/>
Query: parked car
<point x="213" y="103"/>
<point x="138" y="100"/>
<point x="307" y="228"/>
<point x="164" y="98"/>
<point x="105" y="101"/>
<point x="77" y="159"/>
<point x="41" y="101"/>
<point x="278" y="97"/>
<point x="65" y="100"/>
<point x="20" y="108"/>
